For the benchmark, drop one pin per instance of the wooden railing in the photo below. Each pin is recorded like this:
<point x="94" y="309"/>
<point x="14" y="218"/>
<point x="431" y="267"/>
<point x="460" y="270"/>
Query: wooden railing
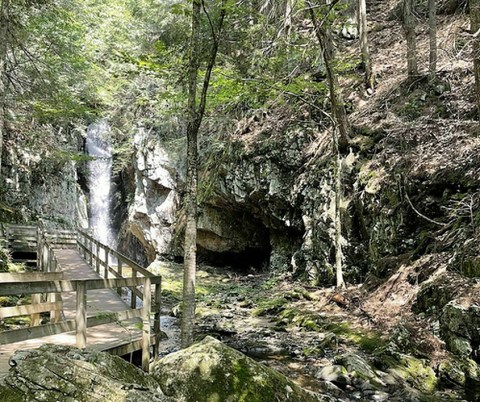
<point x="53" y="305"/>
<point x="125" y="274"/>
<point x="100" y="257"/>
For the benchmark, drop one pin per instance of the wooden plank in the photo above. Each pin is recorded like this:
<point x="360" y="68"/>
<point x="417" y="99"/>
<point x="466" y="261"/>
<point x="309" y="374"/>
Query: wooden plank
<point x="30" y="276"/>
<point x="6" y="312"/>
<point x="70" y="286"/>
<point x="23" y="334"/>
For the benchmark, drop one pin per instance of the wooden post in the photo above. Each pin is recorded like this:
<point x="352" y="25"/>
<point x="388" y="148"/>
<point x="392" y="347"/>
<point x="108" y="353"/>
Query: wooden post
<point x="147" y="302"/>
<point x="55" y="315"/>
<point x="39" y="247"/>
<point x="133" y="301"/>
<point x="50" y="261"/>
<point x="81" y="318"/>
<point x="35" y="318"/>
<point x="156" y="322"/>
<point x="120" y="272"/>
<point x="44" y="255"/>
<point x="107" y="250"/>
<point x="97" y="259"/>
<point x="90" y="252"/>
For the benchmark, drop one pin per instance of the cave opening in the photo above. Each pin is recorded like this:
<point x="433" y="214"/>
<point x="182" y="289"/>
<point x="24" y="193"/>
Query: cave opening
<point x="247" y="260"/>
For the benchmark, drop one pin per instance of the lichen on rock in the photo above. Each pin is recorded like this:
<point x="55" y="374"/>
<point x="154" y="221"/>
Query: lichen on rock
<point x="60" y="373"/>
<point x="210" y="371"/>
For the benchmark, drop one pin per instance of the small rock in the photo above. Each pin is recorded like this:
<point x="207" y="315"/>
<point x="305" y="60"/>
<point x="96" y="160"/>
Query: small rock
<point x="335" y="374"/>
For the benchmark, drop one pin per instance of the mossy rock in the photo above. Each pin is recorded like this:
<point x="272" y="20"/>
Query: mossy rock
<point x="210" y="371"/>
<point x="54" y="373"/>
<point x="459" y="325"/>
<point x="8" y="394"/>
<point x="415" y="372"/>
<point x="459" y="371"/>
<point x="357" y="367"/>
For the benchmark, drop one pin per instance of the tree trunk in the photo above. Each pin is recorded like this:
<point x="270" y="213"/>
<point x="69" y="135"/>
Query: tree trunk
<point x="3" y="68"/>
<point x="326" y="43"/>
<point x="475" y="27"/>
<point x="190" y="246"/>
<point x="195" y="117"/>
<point x="432" y="29"/>
<point x="341" y="131"/>
<point x="288" y="18"/>
<point x="338" y="223"/>
<point x="409" y="27"/>
<point x="362" y="26"/>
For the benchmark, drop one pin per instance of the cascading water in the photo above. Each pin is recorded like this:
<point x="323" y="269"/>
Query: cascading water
<point x="99" y="181"/>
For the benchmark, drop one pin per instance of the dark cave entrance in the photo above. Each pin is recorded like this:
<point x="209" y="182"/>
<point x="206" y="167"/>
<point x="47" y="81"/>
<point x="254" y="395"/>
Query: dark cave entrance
<point x="251" y="258"/>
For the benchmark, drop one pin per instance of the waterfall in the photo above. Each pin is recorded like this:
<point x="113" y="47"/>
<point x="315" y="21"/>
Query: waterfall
<point x="99" y="181"/>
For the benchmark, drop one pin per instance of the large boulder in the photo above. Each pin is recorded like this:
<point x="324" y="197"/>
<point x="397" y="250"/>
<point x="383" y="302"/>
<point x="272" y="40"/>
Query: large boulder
<point x="61" y="373"/>
<point x="459" y="324"/>
<point x="210" y="371"/>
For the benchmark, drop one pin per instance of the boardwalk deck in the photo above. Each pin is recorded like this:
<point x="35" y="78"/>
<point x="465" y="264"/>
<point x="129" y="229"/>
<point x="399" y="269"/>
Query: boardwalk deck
<point x="102" y="337"/>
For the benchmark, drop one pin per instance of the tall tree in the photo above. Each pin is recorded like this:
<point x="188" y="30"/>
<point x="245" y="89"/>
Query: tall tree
<point x="324" y="36"/>
<point x="432" y="29"/>
<point x="409" y="27"/>
<point x="4" y="18"/>
<point x="475" y="28"/>
<point x="362" y="26"/>
<point x="196" y="111"/>
<point x="341" y="125"/>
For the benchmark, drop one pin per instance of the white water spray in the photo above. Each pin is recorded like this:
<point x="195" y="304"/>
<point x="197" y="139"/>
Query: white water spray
<point x="99" y="181"/>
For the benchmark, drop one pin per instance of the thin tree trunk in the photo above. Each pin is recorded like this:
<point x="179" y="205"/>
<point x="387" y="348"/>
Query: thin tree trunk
<point x="338" y="223"/>
<point x="195" y="117"/>
<point x="432" y="29"/>
<point x="409" y="26"/>
<point x="190" y="246"/>
<point x="362" y="26"/>
<point x="288" y="19"/>
<point x="326" y="43"/>
<point x="3" y="68"/>
<point x="475" y="28"/>
<point x="341" y="131"/>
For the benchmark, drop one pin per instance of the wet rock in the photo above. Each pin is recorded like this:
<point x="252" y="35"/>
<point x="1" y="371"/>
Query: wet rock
<point x="60" y="373"/>
<point x="211" y="371"/>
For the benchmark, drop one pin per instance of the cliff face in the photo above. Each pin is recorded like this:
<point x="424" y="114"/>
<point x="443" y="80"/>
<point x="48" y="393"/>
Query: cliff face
<point x="42" y="181"/>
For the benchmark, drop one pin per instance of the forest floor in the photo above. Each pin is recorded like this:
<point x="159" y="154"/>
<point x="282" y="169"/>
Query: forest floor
<point x="306" y="333"/>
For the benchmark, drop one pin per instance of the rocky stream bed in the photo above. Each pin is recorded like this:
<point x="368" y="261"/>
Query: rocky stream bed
<point x="325" y="340"/>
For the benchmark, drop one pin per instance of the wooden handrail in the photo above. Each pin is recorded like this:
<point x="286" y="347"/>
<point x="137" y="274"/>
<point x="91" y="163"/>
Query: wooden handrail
<point x="50" y="281"/>
<point x="9" y="289"/>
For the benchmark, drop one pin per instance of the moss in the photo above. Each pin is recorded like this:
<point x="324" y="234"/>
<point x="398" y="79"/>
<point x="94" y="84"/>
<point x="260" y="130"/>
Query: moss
<point x="8" y="394"/>
<point x="471" y="267"/>
<point x="415" y="371"/>
<point x="212" y="372"/>
<point x="270" y="306"/>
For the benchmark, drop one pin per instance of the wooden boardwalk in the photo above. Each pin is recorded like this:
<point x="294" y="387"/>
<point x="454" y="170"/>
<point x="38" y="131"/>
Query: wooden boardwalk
<point x="102" y="337"/>
<point x="117" y="337"/>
